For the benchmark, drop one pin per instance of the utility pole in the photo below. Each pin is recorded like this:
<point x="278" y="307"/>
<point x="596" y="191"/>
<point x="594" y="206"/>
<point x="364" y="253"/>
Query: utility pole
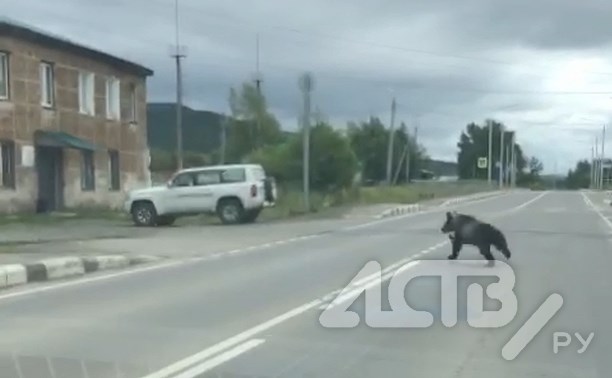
<point x="501" y="157"/>
<point x="416" y="145"/>
<point x="507" y="168"/>
<point x="592" y="180"/>
<point x="224" y="123"/>
<point x="513" y="161"/>
<point x="596" y="165"/>
<point x="390" y="147"/>
<point x="306" y="86"/>
<point x="178" y="55"/>
<point x="603" y="156"/>
<point x="490" y="154"/>
<point x="258" y="81"/>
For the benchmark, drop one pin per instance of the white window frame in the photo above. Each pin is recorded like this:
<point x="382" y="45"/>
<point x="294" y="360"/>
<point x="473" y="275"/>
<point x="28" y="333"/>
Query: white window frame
<point x="47" y="85"/>
<point x="113" y="103"/>
<point x="4" y="73"/>
<point x="86" y="93"/>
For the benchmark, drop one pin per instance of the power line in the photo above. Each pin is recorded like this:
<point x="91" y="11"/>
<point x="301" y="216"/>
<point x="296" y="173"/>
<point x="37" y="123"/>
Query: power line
<point x="243" y="23"/>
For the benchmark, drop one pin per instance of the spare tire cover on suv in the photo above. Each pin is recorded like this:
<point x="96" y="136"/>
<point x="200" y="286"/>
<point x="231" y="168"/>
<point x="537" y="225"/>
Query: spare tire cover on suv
<point x="269" y="186"/>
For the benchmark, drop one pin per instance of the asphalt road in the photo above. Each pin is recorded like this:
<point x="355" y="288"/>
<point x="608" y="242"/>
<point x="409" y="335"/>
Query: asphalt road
<point x="255" y="313"/>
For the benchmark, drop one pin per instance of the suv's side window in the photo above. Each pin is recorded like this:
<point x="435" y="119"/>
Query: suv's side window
<point x="233" y="175"/>
<point x="184" y="179"/>
<point x="207" y="178"/>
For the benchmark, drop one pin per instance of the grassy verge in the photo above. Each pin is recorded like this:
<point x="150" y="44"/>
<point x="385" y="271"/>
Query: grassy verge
<point x="290" y="204"/>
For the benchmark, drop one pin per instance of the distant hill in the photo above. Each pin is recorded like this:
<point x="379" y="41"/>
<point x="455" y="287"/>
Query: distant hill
<point x="441" y="168"/>
<point x="202" y="133"/>
<point x="201" y="128"/>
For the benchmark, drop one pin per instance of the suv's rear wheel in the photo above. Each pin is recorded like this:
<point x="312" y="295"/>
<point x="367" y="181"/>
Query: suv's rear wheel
<point x="230" y="211"/>
<point x="144" y="214"/>
<point x="251" y="215"/>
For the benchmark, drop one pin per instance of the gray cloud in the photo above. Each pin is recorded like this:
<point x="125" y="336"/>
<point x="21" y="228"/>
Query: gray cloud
<point x="448" y="62"/>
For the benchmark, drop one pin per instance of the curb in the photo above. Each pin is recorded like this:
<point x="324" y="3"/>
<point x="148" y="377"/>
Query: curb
<point x="64" y="267"/>
<point x="400" y="210"/>
<point x="457" y="200"/>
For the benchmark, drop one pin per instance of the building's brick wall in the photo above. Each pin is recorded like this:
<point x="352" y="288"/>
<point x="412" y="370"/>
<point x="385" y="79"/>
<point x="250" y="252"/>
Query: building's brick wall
<point x="23" y="114"/>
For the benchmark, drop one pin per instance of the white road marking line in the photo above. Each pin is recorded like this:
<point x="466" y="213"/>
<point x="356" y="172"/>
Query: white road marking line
<point x="79" y="281"/>
<point x="590" y="204"/>
<point x="232" y="341"/>
<point x="220" y="359"/>
<point x="86" y="280"/>
<point x="253" y="331"/>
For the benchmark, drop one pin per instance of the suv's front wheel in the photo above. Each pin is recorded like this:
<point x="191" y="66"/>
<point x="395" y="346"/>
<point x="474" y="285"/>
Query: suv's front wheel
<point x="230" y="211"/>
<point x="144" y="214"/>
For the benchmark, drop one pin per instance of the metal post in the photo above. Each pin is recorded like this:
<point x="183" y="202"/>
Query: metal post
<point x="596" y="165"/>
<point x="224" y="123"/>
<point x="390" y="147"/>
<point x="501" y="157"/>
<point x="603" y="156"/>
<point x="592" y="177"/>
<point x="490" y="154"/>
<point x="179" y="94"/>
<point x="258" y="80"/>
<point x="306" y="85"/>
<point x="507" y="168"/>
<point x="408" y="153"/>
<point x="513" y="162"/>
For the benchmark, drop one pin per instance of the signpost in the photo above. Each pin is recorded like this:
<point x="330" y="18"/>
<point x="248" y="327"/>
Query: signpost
<point x="482" y="163"/>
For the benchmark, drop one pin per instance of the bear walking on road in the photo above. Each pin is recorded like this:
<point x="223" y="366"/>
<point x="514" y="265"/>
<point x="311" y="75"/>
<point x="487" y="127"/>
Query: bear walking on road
<point x="465" y="229"/>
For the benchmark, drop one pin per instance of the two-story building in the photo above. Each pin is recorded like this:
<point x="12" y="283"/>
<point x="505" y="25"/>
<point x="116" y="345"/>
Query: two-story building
<point x="72" y="123"/>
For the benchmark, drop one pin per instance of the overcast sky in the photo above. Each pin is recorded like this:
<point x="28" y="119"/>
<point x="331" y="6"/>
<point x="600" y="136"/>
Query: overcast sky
<point x="543" y="67"/>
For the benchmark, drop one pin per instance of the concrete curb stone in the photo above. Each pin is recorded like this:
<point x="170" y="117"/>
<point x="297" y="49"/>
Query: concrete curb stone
<point x="414" y="208"/>
<point x="63" y="267"/>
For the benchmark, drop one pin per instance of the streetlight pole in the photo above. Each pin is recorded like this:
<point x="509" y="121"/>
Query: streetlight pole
<point x="603" y="152"/>
<point x="390" y="147"/>
<point x="490" y="154"/>
<point x="306" y="85"/>
<point x="501" y="157"/>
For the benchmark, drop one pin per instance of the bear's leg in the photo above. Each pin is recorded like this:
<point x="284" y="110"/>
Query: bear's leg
<point x="485" y="250"/>
<point x="457" y="244"/>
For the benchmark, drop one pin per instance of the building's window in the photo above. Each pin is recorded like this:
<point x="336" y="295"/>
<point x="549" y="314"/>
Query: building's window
<point x="4" y="76"/>
<point x="47" y="84"/>
<point x="88" y="171"/>
<point x="133" y="112"/>
<point x="86" y="93"/>
<point x="112" y="98"/>
<point x="7" y="154"/>
<point x="113" y="167"/>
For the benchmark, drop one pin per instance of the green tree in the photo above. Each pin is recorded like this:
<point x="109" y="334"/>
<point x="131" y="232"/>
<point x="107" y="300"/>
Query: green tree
<point x="474" y="143"/>
<point x="370" y="141"/>
<point x="580" y="176"/>
<point x="251" y="126"/>
<point x="332" y="162"/>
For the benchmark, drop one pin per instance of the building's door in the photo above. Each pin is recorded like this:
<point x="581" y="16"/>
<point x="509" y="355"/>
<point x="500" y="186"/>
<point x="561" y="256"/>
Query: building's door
<point x="49" y="167"/>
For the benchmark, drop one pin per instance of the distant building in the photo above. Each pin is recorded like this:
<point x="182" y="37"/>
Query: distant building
<point x="72" y="123"/>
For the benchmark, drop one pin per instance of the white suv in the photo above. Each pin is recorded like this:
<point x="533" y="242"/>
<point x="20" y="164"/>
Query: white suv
<point x="236" y="193"/>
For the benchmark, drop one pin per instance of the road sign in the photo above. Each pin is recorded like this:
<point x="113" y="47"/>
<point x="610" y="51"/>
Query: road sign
<point x="482" y="162"/>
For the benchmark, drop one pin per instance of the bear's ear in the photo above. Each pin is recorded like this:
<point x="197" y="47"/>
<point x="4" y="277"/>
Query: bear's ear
<point x="449" y="215"/>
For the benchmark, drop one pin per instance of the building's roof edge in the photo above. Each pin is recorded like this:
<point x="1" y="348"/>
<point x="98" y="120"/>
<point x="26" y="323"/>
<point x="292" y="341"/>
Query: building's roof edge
<point x="19" y="30"/>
